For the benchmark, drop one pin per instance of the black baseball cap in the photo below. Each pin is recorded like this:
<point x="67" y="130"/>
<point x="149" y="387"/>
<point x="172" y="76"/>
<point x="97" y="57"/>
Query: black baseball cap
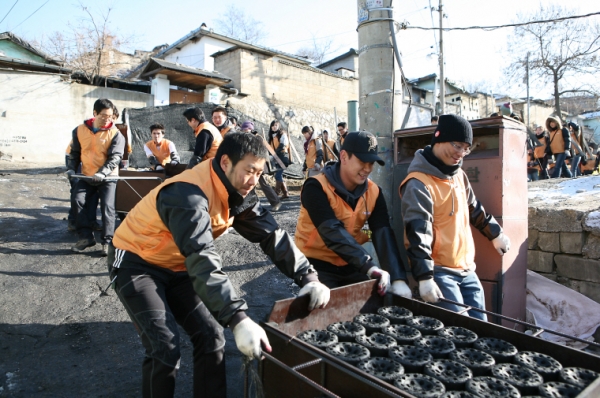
<point x="363" y="145"/>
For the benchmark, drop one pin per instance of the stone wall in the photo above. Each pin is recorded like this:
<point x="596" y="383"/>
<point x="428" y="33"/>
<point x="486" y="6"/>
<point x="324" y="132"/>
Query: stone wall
<point x="564" y="238"/>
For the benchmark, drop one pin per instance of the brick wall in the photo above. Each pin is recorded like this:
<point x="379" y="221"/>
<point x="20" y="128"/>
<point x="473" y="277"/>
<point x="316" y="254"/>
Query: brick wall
<point x="564" y="245"/>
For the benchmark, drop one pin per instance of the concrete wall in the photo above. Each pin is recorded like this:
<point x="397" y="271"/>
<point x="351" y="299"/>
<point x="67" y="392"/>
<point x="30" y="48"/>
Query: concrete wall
<point x="39" y="111"/>
<point x="198" y="54"/>
<point x="564" y="245"/>
<point x="272" y="87"/>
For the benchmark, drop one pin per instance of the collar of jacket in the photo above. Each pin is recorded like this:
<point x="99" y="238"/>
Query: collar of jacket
<point x="332" y="173"/>
<point x="89" y="123"/>
<point x="237" y="203"/>
<point x="438" y="164"/>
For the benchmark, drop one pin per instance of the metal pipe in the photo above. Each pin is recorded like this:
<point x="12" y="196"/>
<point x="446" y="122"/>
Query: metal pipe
<point x="540" y="330"/>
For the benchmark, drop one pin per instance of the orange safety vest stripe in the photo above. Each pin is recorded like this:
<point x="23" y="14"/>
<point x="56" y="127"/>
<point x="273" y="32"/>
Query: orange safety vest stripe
<point x="144" y="233"/>
<point x="94" y="149"/>
<point x="307" y="237"/>
<point x="453" y="245"/>
<point x="224" y="131"/>
<point x="162" y="152"/>
<point x="311" y="154"/>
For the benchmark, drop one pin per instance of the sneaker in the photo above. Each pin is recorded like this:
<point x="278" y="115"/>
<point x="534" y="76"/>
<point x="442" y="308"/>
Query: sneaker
<point x="104" y="251"/>
<point x="82" y="244"/>
<point x="276" y="206"/>
<point x="72" y="226"/>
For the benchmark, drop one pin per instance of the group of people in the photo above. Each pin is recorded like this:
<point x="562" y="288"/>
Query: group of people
<point x="167" y="271"/>
<point x="561" y="151"/>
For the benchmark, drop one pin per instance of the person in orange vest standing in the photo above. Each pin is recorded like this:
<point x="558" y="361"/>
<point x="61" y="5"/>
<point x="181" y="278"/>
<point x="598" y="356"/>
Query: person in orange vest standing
<point x="167" y="270"/>
<point x="333" y="153"/>
<point x="335" y="207"/>
<point x="560" y="145"/>
<point x="98" y="145"/>
<point x="159" y="150"/>
<point x="438" y="207"/>
<point x="220" y="120"/>
<point x="342" y="128"/>
<point x="313" y="151"/>
<point x="208" y="138"/>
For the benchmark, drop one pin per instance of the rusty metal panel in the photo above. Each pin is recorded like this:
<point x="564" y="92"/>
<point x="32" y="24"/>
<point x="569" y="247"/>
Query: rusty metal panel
<point x="289" y="317"/>
<point x="130" y="192"/>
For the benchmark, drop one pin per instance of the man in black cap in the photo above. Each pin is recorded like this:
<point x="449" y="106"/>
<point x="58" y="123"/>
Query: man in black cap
<point x="438" y="204"/>
<point x="336" y="205"/>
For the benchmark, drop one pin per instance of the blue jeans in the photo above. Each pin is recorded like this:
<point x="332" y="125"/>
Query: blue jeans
<point x="279" y="175"/>
<point x="575" y="165"/>
<point x="462" y="289"/>
<point x="561" y="166"/>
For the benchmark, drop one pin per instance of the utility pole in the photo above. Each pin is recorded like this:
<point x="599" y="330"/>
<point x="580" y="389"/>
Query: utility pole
<point x="527" y="80"/>
<point x="442" y="81"/>
<point x="379" y="87"/>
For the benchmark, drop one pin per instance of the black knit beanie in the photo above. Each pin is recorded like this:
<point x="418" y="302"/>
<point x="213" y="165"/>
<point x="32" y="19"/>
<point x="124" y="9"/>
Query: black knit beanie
<point x="452" y="128"/>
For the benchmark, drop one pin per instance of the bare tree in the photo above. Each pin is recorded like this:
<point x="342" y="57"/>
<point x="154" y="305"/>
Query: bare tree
<point x="89" y="47"/>
<point x="561" y="53"/>
<point x="317" y="51"/>
<point x="236" y="23"/>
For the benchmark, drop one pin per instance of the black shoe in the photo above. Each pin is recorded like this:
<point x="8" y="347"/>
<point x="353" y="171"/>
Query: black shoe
<point x="72" y="226"/>
<point x="83" y="244"/>
<point x="104" y="251"/>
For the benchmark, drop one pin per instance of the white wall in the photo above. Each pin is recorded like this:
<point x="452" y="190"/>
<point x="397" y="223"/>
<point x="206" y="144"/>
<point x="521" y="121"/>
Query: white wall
<point x="39" y="111"/>
<point x="198" y="54"/>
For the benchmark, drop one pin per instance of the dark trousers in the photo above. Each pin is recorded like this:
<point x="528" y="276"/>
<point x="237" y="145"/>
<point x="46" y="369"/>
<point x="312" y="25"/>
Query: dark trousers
<point x="156" y="302"/>
<point x="268" y="191"/>
<point x="90" y="207"/>
<point x="84" y="193"/>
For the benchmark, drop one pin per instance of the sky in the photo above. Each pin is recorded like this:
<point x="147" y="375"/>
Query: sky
<point x="474" y="58"/>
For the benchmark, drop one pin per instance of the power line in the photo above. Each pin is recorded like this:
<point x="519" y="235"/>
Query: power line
<point x="405" y="26"/>
<point x="31" y="15"/>
<point x="13" y="6"/>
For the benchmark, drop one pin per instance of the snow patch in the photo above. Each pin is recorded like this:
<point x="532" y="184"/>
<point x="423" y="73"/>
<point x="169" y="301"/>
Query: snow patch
<point x="592" y="220"/>
<point x="579" y="188"/>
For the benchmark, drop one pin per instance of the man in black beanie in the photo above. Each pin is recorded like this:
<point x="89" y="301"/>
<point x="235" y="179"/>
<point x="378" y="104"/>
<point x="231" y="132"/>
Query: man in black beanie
<point x="438" y="204"/>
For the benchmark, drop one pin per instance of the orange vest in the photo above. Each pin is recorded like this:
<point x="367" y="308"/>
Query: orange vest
<point x="328" y="155"/>
<point x="307" y="237"/>
<point x="540" y="151"/>
<point x="286" y="148"/>
<point x="162" y="152"/>
<point x="557" y="142"/>
<point x="94" y="149"/>
<point x="453" y="245"/>
<point x="225" y="130"/>
<point x="311" y="154"/>
<point x="217" y="138"/>
<point x="590" y="164"/>
<point x="143" y="232"/>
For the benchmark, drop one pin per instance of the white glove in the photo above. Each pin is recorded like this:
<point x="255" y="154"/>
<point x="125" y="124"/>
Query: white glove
<point x="429" y="291"/>
<point x="69" y="173"/>
<point x="382" y="276"/>
<point x="248" y="338"/>
<point x="159" y="167"/>
<point x="98" y="177"/>
<point x="501" y="243"/>
<point x="319" y="294"/>
<point x="317" y="167"/>
<point x="567" y="151"/>
<point x="174" y="163"/>
<point x="400" y="288"/>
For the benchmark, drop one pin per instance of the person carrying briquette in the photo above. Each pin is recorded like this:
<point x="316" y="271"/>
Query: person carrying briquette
<point x="313" y="151"/>
<point x="167" y="271"/>
<point x="438" y="207"/>
<point x="335" y="206"/>
<point x="98" y="146"/>
<point x="560" y="146"/>
<point x="160" y="150"/>
<point x="280" y="142"/>
<point x="208" y="138"/>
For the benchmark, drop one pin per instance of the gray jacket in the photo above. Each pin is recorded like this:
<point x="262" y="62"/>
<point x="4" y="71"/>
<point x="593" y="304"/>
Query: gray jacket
<point x="417" y="215"/>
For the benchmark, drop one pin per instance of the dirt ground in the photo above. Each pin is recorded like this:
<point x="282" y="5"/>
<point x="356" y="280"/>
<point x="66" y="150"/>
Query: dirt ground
<point x="58" y="337"/>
